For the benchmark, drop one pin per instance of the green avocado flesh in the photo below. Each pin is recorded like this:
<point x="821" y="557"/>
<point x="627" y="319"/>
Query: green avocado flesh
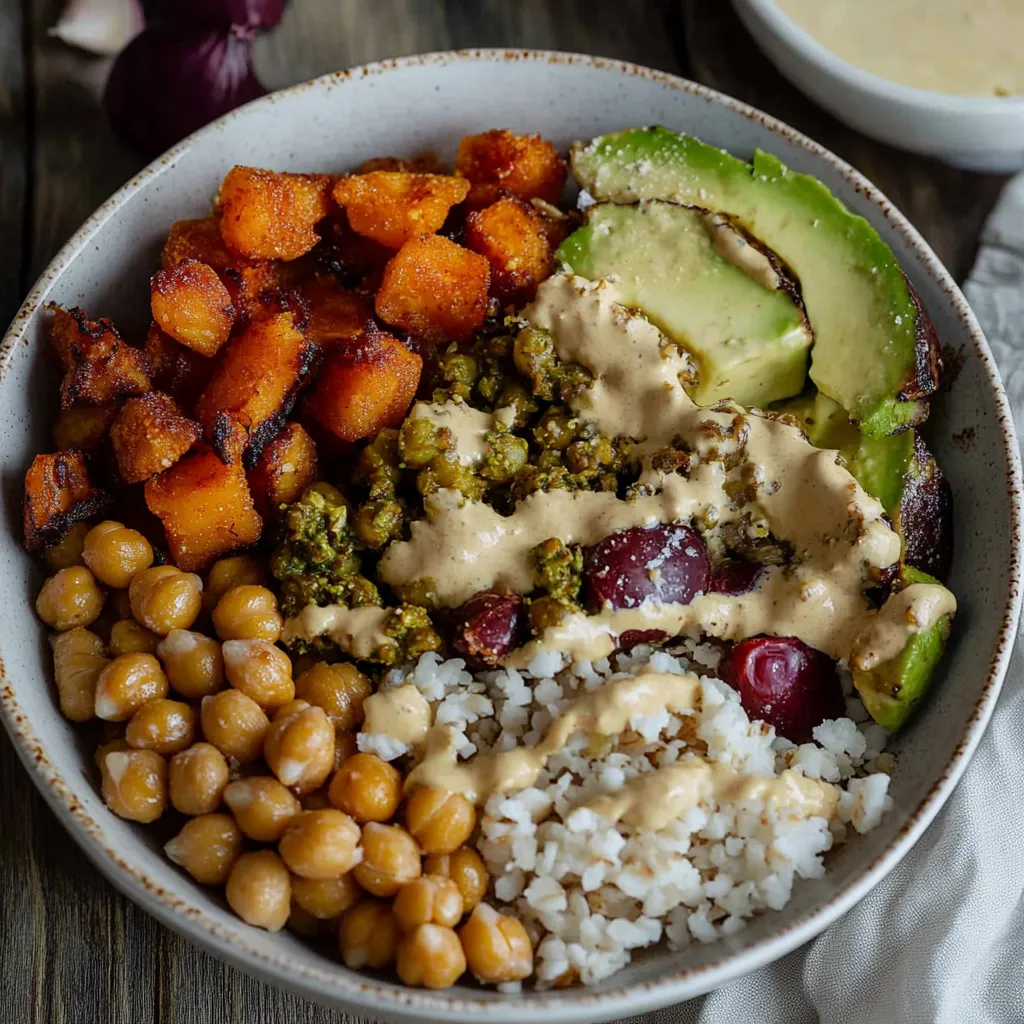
<point x="880" y="464"/>
<point x="749" y="341"/>
<point x="892" y="690"/>
<point x="857" y="300"/>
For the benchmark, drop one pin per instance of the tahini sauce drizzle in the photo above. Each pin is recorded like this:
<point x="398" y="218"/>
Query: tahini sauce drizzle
<point x="360" y="631"/>
<point x="651" y="801"/>
<point x="468" y="427"/>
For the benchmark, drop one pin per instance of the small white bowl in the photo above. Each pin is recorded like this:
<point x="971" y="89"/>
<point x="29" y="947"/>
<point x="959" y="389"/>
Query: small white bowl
<point x="979" y="133"/>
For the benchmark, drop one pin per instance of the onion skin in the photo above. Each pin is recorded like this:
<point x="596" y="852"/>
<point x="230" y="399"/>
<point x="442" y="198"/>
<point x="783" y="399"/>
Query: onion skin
<point x="257" y="14"/>
<point x="174" y="78"/>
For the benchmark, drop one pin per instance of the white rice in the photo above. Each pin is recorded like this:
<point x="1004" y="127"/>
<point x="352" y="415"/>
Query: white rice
<point x="589" y="891"/>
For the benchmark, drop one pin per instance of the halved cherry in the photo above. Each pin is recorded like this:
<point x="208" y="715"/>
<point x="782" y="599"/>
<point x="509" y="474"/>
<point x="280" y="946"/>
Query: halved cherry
<point x="735" y="576"/>
<point x="667" y="563"/>
<point x="785" y="683"/>
<point x="488" y="626"/>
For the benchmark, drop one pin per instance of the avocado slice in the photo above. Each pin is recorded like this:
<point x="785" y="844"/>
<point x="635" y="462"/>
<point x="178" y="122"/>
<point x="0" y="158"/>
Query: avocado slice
<point x="707" y="288"/>
<point x="875" y="351"/>
<point x="892" y="690"/>
<point x="898" y="470"/>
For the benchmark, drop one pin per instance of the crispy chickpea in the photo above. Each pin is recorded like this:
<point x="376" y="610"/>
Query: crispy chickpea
<point x="339" y="689"/>
<point x="345" y="746"/>
<point x="320" y="844"/>
<point x="207" y="847"/>
<point x="429" y="899"/>
<point x="77" y="663"/>
<point x="234" y="724"/>
<point x="115" y="553"/>
<point x="325" y="898"/>
<point x="465" y="867"/>
<point x="248" y="612"/>
<point x="69" y="551"/>
<point x="259" y="890"/>
<point x="126" y="684"/>
<point x="430" y="957"/>
<point x="390" y="859"/>
<point x="70" y="598"/>
<point x="439" y="820"/>
<point x="197" y="777"/>
<point x="226" y="573"/>
<point x="165" y="598"/>
<point x="368" y="936"/>
<point x="261" y="670"/>
<point x="194" y="663"/>
<point x="261" y="806"/>
<point x="366" y="788"/>
<point x="111" y="746"/>
<point x="128" y="637"/>
<point x="300" y="747"/>
<point x="165" y="726"/>
<point x="497" y="947"/>
<point x="135" y="784"/>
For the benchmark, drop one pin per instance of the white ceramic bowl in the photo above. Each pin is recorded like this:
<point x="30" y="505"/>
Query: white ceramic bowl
<point x="978" y="133"/>
<point x="428" y="103"/>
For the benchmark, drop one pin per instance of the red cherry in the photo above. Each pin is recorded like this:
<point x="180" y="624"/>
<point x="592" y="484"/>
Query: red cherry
<point x="785" y="683"/>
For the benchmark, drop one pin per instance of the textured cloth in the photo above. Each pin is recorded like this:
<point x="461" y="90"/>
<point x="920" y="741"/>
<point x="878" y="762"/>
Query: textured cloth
<point x="915" y="951"/>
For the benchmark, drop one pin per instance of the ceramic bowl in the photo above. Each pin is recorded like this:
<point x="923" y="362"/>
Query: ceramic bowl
<point x="429" y="102"/>
<point x="975" y="132"/>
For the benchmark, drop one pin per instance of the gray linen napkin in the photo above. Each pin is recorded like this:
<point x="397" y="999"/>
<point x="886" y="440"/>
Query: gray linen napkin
<point x="915" y="951"/>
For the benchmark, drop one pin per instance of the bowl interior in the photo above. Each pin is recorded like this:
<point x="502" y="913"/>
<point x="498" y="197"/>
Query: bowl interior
<point x="429" y="103"/>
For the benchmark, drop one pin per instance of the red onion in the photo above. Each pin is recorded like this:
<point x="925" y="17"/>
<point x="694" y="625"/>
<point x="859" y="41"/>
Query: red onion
<point x="261" y="14"/>
<point x="174" y="78"/>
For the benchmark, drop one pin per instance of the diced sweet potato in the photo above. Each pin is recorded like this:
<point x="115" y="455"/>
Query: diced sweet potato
<point x="556" y="224"/>
<point x="434" y="288"/>
<point x="512" y="238"/>
<point x="393" y="206"/>
<point x="100" y="367"/>
<point x="525" y="165"/>
<point x="191" y="304"/>
<point x="246" y="280"/>
<point x="205" y="507"/>
<point x="197" y="240"/>
<point x="425" y="163"/>
<point x="336" y="316"/>
<point x="179" y="371"/>
<point x="364" y="390"/>
<point x="286" y="468"/>
<point x="271" y="214"/>
<point x="149" y="435"/>
<point x="259" y="377"/>
<point x="58" y="494"/>
<point x="82" y="427"/>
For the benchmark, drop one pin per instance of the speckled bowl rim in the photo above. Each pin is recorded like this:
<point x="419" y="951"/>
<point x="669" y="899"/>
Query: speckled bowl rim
<point x="338" y="985"/>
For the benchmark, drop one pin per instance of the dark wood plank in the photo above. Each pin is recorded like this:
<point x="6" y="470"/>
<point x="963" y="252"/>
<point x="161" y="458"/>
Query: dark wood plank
<point x="948" y="206"/>
<point x="14" y="157"/>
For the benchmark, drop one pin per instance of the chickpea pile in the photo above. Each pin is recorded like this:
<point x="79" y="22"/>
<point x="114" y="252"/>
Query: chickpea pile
<point x="206" y="719"/>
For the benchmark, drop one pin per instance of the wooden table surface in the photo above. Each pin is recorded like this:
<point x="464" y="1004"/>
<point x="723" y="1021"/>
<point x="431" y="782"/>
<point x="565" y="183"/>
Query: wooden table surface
<point x="72" y="950"/>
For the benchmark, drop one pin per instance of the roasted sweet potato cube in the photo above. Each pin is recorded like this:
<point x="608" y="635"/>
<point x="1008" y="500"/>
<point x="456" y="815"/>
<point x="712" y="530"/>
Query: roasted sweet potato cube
<point x="336" y="316"/>
<point x="286" y="468"/>
<point x="82" y="427"/>
<point x="362" y="391"/>
<point x="191" y="304"/>
<point x="512" y="238"/>
<point x="205" y="507"/>
<point x="197" y="240"/>
<point x="426" y="163"/>
<point x="353" y="259"/>
<point x="260" y="375"/>
<point x="100" y="367"/>
<point x="149" y="435"/>
<point x="179" y="371"/>
<point x="271" y="214"/>
<point x="525" y="165"/>
<point x="434" y="288"/>
<point x="58" y="494"/>
<point x="393" y="206"/>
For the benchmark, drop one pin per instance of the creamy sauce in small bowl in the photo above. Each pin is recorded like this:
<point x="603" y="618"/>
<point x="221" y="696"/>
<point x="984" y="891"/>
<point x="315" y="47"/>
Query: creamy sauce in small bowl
<point x="956" y="47"/>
